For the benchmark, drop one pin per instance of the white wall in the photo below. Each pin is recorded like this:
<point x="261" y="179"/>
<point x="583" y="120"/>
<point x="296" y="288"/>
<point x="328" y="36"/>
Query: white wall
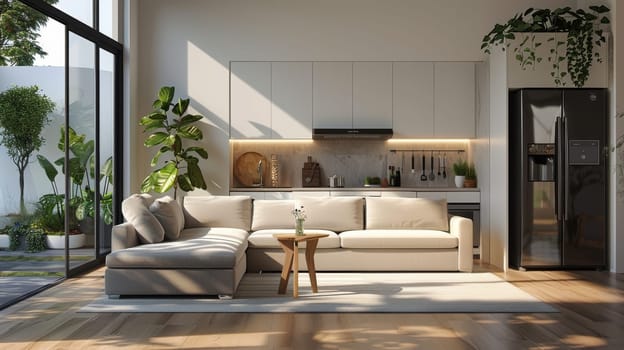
<point x="189" y="44"/>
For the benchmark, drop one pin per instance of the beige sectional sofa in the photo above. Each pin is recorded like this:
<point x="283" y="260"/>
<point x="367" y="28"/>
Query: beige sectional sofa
<point x="206" y="246"/>
<point x="372" y="234"/>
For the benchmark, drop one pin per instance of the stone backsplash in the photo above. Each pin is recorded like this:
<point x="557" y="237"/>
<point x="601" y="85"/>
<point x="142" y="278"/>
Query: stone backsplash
<point x="356" y="159"/>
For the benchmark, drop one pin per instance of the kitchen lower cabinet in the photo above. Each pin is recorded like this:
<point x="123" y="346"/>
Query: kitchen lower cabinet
<point x="300" y="194"/>
<point x="452" y="196"/>
<point x="278" y="195"/>
<point x="252" y="194"/>
<point x="398" y="194"/>
<point x="343" y="193"/>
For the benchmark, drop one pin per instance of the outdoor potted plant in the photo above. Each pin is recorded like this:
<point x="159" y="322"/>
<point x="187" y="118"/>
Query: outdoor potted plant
<point x="49" y="217"/>
<point x="4" y="237"/>
<point x="471" y="176"/>
<point x="82" y="200"/>
<point x="23" y="115"/>
<point x="460" y="168"/>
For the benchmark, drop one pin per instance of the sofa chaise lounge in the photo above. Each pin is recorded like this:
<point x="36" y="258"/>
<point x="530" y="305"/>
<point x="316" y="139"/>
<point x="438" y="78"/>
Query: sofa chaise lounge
<point x="205" y="246"/>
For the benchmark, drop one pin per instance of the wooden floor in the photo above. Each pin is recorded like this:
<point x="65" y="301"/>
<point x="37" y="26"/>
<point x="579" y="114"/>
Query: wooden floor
<point x="591" y="306"/>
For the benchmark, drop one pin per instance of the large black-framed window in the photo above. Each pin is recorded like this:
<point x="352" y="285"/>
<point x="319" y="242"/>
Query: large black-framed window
<point x="94" y="61"/>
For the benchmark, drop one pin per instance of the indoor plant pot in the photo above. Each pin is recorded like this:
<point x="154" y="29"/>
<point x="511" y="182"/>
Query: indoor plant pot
<point x="459" y="181"/>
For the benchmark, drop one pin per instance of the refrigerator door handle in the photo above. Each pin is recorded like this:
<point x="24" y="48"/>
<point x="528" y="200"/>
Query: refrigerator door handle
<point x="566" y="183"/>
<point x="559" y="180"/>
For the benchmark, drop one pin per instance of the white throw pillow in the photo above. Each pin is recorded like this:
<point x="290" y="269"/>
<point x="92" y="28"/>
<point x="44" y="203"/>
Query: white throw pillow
<point x="135" y="210"/>
<point x="273" y="214"/>
<point x="218" y="211"/>
<point x="170" y="215"/>
<point x="333" y="213"/>
<point x="406" y="213"/>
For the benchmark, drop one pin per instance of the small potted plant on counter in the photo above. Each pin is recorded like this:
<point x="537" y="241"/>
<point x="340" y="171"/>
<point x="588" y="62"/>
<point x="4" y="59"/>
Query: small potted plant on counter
<point x="471" y="176"/>
<point x="460" y="168"/>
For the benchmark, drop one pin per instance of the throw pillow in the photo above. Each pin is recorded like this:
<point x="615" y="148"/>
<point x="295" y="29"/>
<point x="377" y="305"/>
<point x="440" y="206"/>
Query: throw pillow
<point x="135" y="210"/>
<point x="406" y="213"/>
<point x="218" y="211"/>
<point x="169" y="213"/>
<point x="273" y="214"/>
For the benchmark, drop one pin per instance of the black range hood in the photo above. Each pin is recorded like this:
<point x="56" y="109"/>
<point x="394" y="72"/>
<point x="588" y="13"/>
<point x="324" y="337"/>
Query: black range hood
<point x="376" y="134"/>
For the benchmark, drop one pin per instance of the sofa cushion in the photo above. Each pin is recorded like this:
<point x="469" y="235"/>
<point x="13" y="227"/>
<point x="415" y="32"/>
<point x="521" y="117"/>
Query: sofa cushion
<point x="135" y="210"/>
<point x="333" y="213"/>
<point x="270" y="214"/>
<point x="218" y="211"/>
<point x="197" y="248"/>
<point x="397" y="239"/>
<point x="265" y="239"/>
<point x="170" y="215"/>
<point x="406" y="213"/>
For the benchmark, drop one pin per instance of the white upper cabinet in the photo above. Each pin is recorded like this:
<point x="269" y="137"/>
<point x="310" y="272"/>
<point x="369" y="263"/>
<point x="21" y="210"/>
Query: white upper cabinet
<point x="250" y="108"/>
<point x="372" y="95"/>
<point x="454" y="100"/>
<point x="332" y="95"/>
<point x="413" y="99"/>
<point x="291" y="91"/>
<point x="524" y="71"/>
<point x="286" y="100"/>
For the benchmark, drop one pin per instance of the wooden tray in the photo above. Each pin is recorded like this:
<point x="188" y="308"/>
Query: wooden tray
<point x="246" y="169"/>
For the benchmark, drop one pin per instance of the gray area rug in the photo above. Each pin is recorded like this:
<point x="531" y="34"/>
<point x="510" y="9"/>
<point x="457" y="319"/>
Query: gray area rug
<point x="351" y="292"/>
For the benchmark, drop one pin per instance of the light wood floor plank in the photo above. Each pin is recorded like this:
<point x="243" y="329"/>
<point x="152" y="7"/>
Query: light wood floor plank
<point x="591" y="315"/>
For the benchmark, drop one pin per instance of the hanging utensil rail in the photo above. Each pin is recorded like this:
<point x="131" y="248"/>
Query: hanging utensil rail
<point x="429" y="150"/>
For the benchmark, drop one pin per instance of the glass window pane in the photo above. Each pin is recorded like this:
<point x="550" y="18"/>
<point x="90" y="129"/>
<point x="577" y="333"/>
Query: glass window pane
<point x="108" y="13"/>
<point x="82" y="10"/>
<point x="43" y="197"/>
<point x="107" y="109"/>
<point x="82" y="145"/>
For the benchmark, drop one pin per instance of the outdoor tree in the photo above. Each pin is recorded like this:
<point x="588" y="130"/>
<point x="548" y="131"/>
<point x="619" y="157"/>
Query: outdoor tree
<point x="19" y="26"/>
<point x="23" y="114"/>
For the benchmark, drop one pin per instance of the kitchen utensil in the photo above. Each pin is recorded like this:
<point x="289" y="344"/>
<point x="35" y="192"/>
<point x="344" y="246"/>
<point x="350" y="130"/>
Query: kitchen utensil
<point x="444" y="166"/>
<point x="423" y="177"/>
<point x="413" y="162"/>
<point x="246" y="169"/>
<point x="431" y="174"/>
<point x="439" y="164"/>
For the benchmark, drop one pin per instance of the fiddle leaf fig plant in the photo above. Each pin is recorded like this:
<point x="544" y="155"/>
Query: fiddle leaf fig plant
<point x="181" y="168"/>
<point x="584" y="33"/>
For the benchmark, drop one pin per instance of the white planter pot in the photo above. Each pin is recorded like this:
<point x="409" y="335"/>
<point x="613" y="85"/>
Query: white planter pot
<point x="459" y="181"/>
<point x="58" y="242"/>
<point x="4" y="241"/>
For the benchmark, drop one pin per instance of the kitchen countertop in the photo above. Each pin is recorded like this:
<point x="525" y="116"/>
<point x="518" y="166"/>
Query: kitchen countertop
<point x="385" y="189"/>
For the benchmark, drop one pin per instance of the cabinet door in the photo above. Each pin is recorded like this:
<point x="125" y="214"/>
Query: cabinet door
<point x="372" y="95"/>
<point x="333" y="95"/>
<point x="413" y="99"/>
<point x="454" y="100"/>
<point x="291" y="92"/>
<point x="250" y="100"/>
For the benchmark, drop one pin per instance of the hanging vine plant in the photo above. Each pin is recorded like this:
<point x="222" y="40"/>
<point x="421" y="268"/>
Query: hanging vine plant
<point x="584" y="33"/>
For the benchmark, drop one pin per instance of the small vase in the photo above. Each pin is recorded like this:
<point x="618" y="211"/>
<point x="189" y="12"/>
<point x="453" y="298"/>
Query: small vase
<point x="459" y="181"/>
<point x="299" y="227"/>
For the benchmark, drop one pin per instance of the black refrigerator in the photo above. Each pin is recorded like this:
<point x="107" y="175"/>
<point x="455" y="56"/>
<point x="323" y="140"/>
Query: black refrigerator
<point x="558" y="178"/>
